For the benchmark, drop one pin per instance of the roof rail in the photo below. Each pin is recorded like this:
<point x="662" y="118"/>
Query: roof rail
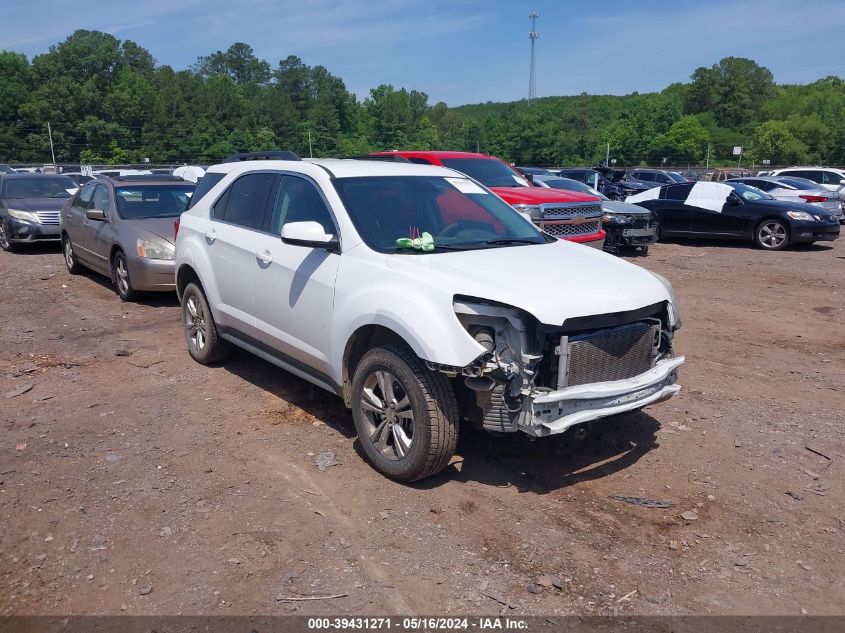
<point x="268" y="155"/>
<point x="393" y="158"/>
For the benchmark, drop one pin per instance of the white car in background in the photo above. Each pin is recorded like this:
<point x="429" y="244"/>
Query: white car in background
<point x="419" y="297"/>
<point x="795" y="190"/>
<point x="830" y="178"/>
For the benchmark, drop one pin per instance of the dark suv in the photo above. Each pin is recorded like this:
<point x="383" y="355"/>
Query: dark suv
<point x="654" y="177"/>
<point x="607" y="181"/>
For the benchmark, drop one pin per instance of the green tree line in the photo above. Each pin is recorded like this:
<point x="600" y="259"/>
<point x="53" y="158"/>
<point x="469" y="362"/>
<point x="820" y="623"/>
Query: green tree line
<point x="108" y="101"/>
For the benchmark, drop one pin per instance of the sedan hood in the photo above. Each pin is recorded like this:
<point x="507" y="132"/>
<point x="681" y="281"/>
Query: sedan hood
<point x="553" y="282"/>
<point x="539" y="195"/>
<point x="615" y="206"/>
<point x="35" y="204"/>
<point x="160" y="227"/>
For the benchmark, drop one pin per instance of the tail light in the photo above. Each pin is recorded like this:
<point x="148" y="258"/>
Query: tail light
<point x="809" y="198"/>
<point x="176" y="228"/>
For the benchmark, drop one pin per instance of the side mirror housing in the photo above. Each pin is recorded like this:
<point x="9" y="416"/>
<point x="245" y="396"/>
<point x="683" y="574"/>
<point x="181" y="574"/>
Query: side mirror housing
<point x="309" y="234"/>
<point x="732" y="200"/>
<point x="95" y="214"/>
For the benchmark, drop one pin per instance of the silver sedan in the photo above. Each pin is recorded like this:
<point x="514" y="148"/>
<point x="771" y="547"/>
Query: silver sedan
<point x="798" y="190"/>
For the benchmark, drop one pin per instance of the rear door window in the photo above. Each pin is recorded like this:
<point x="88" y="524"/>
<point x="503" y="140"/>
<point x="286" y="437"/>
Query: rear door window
<point x="245" y="202"/>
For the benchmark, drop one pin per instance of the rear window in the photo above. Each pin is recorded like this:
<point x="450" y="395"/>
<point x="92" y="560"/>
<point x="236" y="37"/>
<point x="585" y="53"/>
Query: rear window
<point x="152" y="201"/>
<point x="205" y="184"/>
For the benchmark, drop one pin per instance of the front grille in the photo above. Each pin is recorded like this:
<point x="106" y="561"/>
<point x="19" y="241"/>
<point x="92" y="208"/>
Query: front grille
<point x="558" y="229"/>
<point x="611" y="354"/>
<point x="47" y="217"/>
<point x="570" y="211"/>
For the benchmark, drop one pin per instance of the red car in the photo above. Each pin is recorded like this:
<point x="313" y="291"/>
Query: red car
<point x="565" y="214"/>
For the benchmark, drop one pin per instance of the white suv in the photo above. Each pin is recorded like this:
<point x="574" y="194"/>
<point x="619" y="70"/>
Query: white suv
<point x="420" y="298"/>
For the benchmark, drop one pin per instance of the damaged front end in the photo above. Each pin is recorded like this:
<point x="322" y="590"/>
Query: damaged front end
<point x="543" y="379"/>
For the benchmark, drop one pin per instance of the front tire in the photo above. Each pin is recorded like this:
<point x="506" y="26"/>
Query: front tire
<point x="5" y="244"/>
<point x="120" y="275"/>
<point x="406" y="415"/>
<point x="772" y="235"/>
<point x="73" y="265"/>
<point x="204" y="343"/>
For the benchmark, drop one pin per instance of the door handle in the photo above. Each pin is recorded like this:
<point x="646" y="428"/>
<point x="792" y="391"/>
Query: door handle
<point x="264" y="257"/>
<point x="211" y="236"/>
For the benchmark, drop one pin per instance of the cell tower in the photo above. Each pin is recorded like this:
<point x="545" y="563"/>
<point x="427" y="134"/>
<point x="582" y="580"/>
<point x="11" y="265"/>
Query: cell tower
<point x="532" y="83"/>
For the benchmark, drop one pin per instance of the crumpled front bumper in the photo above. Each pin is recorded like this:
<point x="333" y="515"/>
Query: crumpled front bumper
<point x="556" y="411"/>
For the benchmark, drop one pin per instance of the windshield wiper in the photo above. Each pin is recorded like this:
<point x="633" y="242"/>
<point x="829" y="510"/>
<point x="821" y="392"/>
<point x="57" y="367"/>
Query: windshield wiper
<point x="510" y="240"/>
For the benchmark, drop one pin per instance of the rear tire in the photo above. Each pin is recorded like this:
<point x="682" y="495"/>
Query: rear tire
<point x="204" y="343"/>
<point x="73" y="265"/>
<point x="406" y="415"/>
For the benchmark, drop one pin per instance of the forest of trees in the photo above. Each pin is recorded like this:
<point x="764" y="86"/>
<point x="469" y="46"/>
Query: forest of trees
<point x="109" y="102"/>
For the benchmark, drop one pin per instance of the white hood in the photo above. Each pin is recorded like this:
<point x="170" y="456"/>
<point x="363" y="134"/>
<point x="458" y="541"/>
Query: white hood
<point x="554" y="282"/>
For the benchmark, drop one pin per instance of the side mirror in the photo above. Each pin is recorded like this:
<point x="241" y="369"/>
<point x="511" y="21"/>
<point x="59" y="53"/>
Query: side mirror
<point x="95" y="214"/>
<point x="310" y="234"/>
<point x="842" y="182"/>
<point x="733" y="200"/>
<point x="530" y="178"/>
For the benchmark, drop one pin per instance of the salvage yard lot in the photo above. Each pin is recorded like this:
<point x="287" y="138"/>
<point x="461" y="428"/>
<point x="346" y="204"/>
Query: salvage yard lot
<point x="133" y="480"/>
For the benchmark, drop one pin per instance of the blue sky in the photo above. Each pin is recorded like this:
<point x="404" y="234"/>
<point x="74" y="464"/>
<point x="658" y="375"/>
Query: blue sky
<point x="470" y="50"/>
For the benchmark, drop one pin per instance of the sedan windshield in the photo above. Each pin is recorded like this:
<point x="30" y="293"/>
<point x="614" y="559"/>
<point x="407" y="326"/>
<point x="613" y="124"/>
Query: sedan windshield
<point x="749" y="193"/>
<point x="388" y="211"/>
<point x="152" y="201"/>
<point x="488" y="171"/>
<point x="38" y="187"/>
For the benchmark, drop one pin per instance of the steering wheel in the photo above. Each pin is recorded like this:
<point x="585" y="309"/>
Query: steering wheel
<point x="453" y="228"/>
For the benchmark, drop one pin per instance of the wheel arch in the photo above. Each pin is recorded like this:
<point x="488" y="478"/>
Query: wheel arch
<point x="780" y="219"/>
<point x="185" y="275"/>
<point x="362" y="340"/>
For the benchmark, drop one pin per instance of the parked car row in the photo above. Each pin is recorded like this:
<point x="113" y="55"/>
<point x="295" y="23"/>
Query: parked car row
<point x="408" y="290"/>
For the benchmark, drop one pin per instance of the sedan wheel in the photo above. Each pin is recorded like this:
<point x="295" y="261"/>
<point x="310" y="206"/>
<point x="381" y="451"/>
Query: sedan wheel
<point x="73" y="266"/>
<point x="773" y="235"/>
<point x="121" y="278"/>
<point x="5" y="244"/>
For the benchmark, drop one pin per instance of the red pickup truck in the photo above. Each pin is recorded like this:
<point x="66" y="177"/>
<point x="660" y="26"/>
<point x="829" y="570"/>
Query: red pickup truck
<point x="565" y="214"/>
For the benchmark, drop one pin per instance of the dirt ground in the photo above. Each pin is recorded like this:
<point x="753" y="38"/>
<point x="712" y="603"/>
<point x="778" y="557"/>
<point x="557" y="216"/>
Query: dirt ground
<point x="133" y="480"/>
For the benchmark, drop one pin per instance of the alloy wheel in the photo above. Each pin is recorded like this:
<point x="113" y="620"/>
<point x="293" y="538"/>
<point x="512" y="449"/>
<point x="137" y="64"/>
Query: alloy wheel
<point x="772" y="234"/>
<point x="196" y="323"/>
<point x="388" y="414"/>
<point x="122" y="276"/>
<point x="68" y="254"/>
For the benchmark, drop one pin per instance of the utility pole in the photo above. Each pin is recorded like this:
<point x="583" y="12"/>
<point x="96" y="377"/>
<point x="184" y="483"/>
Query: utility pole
<point x="532" y="83"/>
<point x="310" y="153"/>
<point x="50" y="134"/>
<point x="707" y="163"/>
<point x="607" y="156"/>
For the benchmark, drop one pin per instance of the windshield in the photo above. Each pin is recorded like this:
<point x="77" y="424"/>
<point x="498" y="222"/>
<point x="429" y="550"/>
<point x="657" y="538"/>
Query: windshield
<point x="38" y="187"/>
<point x="676" y="176"/>
<point x="749" y="193"/>
<point x="455" y="212"/>
<point x="152" y="201"/>
<point x="490" y="172"/>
